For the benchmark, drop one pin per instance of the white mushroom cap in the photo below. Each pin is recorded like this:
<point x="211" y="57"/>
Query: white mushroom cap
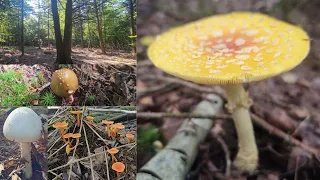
<point x="22" y="125"/>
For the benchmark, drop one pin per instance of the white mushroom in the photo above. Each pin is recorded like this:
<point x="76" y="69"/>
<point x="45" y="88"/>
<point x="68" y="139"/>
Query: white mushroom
<point x="23" y="125"/>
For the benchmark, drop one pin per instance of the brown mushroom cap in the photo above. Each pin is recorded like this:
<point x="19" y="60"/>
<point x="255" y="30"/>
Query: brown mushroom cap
<point x="118" y="166"/>
<point x="64" y="82"/>
<point x="113" y="150"/>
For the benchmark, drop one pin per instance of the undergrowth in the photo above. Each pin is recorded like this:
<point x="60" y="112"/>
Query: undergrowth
<point x="13" y="90"/>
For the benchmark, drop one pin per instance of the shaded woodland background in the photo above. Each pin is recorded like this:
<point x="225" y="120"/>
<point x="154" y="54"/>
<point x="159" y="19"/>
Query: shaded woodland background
<point x="289" y="102"/>
<point x="105" y="24"/>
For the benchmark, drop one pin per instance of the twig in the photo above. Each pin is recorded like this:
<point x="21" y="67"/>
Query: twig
<point x="89" y="153"/>
<point x="112" y="110"/>
<point x="84" y="158"/>
<point x="106" y="155"/>
<point x="39" y="90"/>
<point x="156" y="90"/>
<point x="275" y="131"/>
<point x="183" y="83"/>
<point x="160" y="115"/>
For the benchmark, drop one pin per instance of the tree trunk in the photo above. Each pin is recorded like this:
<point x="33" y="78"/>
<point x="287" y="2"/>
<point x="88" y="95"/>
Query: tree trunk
<point x="48" y="28"/>
<point x="39" y="42"/>
<point x="57" y="31"/>
<point x="63" y="47"/>
<point x="132" y="29"/>
<point x="22" y="28"/>
<point x="81" y="29"/>
<point x="67" y="33"/>
<point x="103" y="49"/>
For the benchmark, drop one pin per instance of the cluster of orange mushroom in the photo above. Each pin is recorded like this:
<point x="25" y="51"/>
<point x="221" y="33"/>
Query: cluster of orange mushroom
<point x="111" y="128"/>
<point x="113" y="131"/>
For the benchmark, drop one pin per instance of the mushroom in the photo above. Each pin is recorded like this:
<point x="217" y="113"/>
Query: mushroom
<point x="108" y="123"/>
<point x="61" y="126"/>
<point x="113" y="151"/>
<point x="76" y="136"/>
<point x="68" y="136"/>
<point x="230" y="50"/>
<point x="129" y="136"/>
<point x="90" y="119"/>
<point x="64" y="83"/>
<point x="78" y="116"/>
<point x="23" y="125"/>
<point x="69" y="147"/>
<point x="119" y="168"/>
<point x="115" y="128"/>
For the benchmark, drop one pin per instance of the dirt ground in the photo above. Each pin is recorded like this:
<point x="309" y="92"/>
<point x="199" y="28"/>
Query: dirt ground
<point x="289" y="101"/>
<point x="46" y="56"/>
<point x="10" y="162"/>
<point x="94" y="141"/>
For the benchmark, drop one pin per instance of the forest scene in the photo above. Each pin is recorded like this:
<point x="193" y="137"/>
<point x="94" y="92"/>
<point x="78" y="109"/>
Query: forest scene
<point x="66" y="31"/>
<point x="186" y="130"/>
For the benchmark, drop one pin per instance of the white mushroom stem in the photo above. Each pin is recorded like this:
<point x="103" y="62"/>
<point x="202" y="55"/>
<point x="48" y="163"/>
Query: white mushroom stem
<point x="26" y="154"/>
<point x="238" y="105"/>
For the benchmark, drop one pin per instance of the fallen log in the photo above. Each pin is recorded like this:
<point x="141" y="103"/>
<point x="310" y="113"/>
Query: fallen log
<point x="176" y="159"/>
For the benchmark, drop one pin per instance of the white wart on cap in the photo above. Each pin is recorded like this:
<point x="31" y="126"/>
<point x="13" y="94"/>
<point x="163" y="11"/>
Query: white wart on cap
<point x="22" y="125"/>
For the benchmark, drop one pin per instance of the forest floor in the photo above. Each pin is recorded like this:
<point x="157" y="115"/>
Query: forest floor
<point x="11" y="163"/>
<point x="289" y="102"/>
<point x="90" y="157"/>
<point x="34" y="55"/>
<point x="103" y="79"/>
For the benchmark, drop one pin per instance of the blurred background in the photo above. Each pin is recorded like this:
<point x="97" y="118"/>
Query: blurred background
<point x="289" y="101"/>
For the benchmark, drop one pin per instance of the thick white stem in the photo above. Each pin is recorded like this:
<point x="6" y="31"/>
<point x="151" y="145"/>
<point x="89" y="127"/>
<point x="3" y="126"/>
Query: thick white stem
<point x="26" y="154"/>
<point x="238" y="105"/>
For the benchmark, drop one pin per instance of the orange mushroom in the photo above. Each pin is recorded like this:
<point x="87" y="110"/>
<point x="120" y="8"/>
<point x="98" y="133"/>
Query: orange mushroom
<point x="76" y="136"/>
<point x="116" y="127"/>
<point x="119" y="168"/>
<point x="113" y="151"/>
<point x="68" y="136"/>
<point x="78" y="116"/>
<point x="129" y="136"/>
<point x="69" y="149"/>
<point x="108" y="123"/>
<point x="90" y="119"/>
<point x="61" y="126"/>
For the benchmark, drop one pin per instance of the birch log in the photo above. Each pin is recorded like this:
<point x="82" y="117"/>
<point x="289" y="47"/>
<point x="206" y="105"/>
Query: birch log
<point x="175" y="160"/>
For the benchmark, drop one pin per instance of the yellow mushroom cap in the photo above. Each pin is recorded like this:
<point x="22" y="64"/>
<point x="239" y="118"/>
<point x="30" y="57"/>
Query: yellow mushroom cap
<point x="64" y="82"/>
<point x="232" y="48"/>
<point x="60" y="125"/>
<point x="118" y="167"/>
